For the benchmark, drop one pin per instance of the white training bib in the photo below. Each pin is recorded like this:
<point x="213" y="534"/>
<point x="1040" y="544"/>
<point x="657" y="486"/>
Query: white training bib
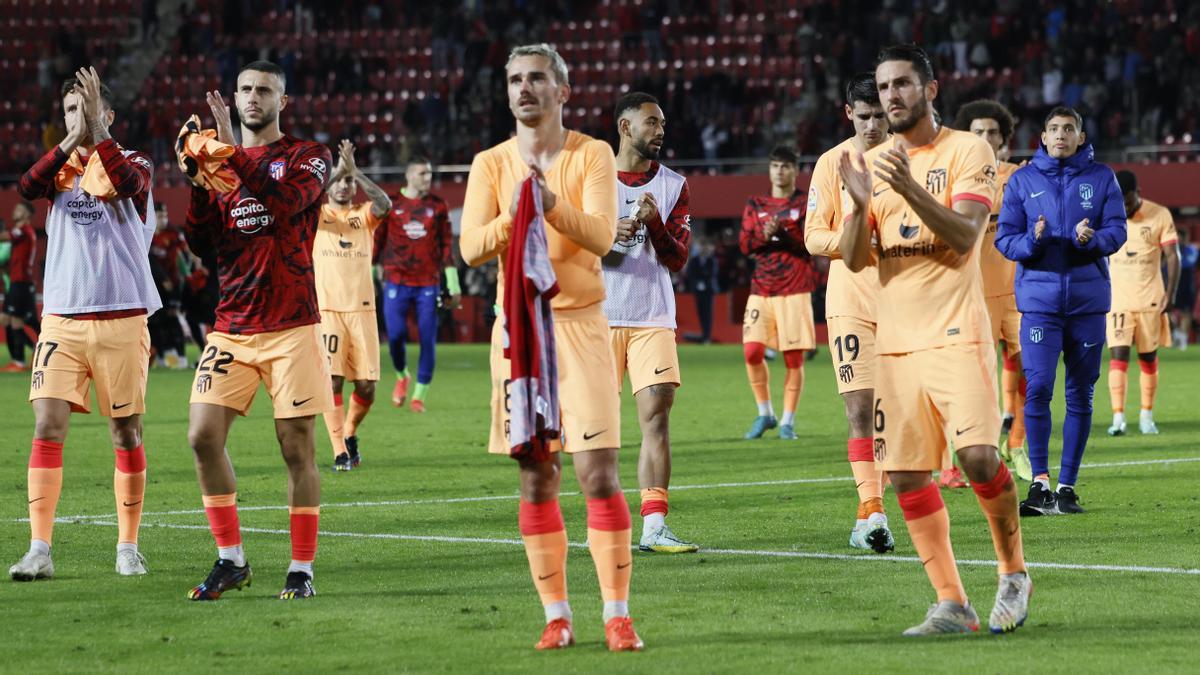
<point x="638" y="287"/>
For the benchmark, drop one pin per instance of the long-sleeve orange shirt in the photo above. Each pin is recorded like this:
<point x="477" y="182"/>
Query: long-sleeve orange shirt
<point x="583" y="222"/>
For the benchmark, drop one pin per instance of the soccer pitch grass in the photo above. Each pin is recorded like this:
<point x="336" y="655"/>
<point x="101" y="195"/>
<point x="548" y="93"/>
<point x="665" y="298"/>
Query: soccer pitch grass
<point x="420" y="568"/>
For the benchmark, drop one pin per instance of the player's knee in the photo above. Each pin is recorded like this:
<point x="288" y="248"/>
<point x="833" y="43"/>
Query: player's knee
<point x="204" y="440"/>
<point x="599" y="482"/>
<point x="126" y="433"/>
<point x="794" y="358"/>
<point x="338" y="383"/>
<point x="980" y="462"/>
<point x="1120" y="353"/>
<point x="365" y="389"/>
<point x="540" y="480"/>
<point x="50" y="429"/>
<point x="756" y="352"/>
<point x="859" y="413"/>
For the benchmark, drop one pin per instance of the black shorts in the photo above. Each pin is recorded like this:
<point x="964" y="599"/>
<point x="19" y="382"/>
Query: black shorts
<point x="20" y="302"/>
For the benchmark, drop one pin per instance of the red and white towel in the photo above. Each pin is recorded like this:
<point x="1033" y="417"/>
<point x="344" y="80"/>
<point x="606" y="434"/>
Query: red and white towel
<point x="529" y="284"/>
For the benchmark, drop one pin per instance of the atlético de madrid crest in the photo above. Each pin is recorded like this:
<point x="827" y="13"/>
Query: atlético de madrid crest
<point x="277" y="167"/>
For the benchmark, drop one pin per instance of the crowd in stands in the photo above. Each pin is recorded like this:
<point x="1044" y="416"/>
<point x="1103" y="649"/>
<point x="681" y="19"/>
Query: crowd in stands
<point x="735" y="76"/>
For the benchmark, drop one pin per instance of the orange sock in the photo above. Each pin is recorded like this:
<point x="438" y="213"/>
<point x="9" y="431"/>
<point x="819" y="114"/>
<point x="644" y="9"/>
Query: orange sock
<point x="129" y="487"/>
<point x="756" y="371"/>
<point x="929" y="527"/>
<point x="335" y="423"/>
<point x="546" y="547"/>
<point x="609" y="538"/>
<point x="1117" y="375"/>
<point x="304" y="521"/>
<point x="359" y="407"/>
<point x="654" y="500"/>
<point x="1016" y="435"/>
<point x="793" y="381"/>
<point x="223" y="519"/>
<point x="1009" y="376"/>
<point x="862" y="465"/>
<point x="1148" y="382"/>
<point x="45" y="487"/>
<point x="998" y="499"/>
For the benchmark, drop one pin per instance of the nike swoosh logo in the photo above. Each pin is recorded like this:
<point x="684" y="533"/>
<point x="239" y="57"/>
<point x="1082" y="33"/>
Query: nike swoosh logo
<point x="1130" y="254"/>
<point x="131" y="503"/>
<point x="118" y="407"/>
<point x="630" y="201"/>
<point x="543" y="578"/>
<point x="1037" y="194"/>
<point x="297" y="404"/>
<point x="36" y="500"/>
<point x="1088" y="345"/>
<point x="588" y="437"/>
<point x="881" y="191"/>
<point x="960" y="432"/>
<point x="660" y="371"/>
<point x="621" y="567"/>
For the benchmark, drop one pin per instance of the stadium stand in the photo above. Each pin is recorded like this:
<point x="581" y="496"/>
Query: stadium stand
<point x="398" y="77"/>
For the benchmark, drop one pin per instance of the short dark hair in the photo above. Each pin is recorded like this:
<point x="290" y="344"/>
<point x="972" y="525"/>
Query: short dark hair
<point x="632" y="101"/>
<point x="861" y="87"/>
<point x="266" y="67"/>
<point x="1127" y="180"/>
<point x="1063" y="111"/>
<point x="914" y="55"/>
<point x="69" y="85"/>
<point x="784" y="153"/>
<point x="985" y="109"/>
<point x="418" y="158"/>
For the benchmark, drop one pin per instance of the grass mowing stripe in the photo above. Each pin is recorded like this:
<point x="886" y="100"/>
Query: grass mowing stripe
<point x="812" y="555"/>
<point x="459" y="500"/>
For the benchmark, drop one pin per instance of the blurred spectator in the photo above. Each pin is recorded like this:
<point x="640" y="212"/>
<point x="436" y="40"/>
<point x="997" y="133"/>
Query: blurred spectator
<point x="702" y="283"/>
<point x="742" y="76"/>
<point x="1185" y="295"/>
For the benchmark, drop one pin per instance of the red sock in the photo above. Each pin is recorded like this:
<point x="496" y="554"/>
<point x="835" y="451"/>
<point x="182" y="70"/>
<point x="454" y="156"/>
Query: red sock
<point x="545" y="540"/>
<point x="929" y="526"/>
<point x="223" y="519"/>
<point x="654" y="500"/>
<point x="304" y="520"/>
<point x="862" y="464"/>
<point x="129" y="487"/>
<point x="998" y="499"/>
<point x="609" y="538"/>
<point x="359" y="407"/>
<point x="44" y="487"/>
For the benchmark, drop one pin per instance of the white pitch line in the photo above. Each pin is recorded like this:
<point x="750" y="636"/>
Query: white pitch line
<point x="489" y="498"/>
<point x="1142" y="569"/>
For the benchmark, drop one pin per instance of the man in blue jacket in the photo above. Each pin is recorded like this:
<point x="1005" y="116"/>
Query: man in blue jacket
<point x="1062" y="216"/>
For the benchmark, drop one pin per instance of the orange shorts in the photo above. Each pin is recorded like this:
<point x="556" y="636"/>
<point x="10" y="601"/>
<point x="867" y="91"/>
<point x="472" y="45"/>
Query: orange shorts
<point x="782" y="322"/>
<point x="112" y="353"/>
<point x="852" y="343"/>
<point x="587" y="384"/>
<point x="1148" y="331"/>
<point x="290" y="362"/>
<point x="351" y="341"/>
<point x="1006" y="322"/>
<point x="648" y="354"/>
<point x="925" y="399"/>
